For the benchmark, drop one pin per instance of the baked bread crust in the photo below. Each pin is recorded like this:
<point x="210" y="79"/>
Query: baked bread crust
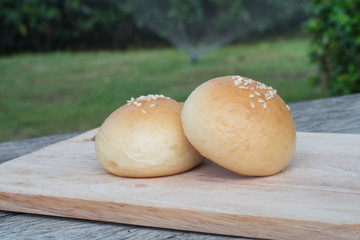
<point x="240" y="124"/>
<point x="145" y="138"/>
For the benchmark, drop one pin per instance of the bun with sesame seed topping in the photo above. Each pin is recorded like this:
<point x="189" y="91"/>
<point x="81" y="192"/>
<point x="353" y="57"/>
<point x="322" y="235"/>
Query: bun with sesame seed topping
<point x="145" y="138"/>
<point x="240" y="124"/>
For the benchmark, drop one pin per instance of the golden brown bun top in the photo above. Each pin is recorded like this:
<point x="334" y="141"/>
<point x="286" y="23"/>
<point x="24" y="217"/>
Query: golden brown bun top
<point x="147" y="112"/>
<point x="256" y="102"/>
<point x="140" y="118"/>
<point x="241" y="124"/>
<point x="145" y="138"/>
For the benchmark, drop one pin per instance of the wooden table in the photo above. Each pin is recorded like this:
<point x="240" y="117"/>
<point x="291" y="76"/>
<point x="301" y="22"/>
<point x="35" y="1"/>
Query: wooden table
<point x="336" y="115"/>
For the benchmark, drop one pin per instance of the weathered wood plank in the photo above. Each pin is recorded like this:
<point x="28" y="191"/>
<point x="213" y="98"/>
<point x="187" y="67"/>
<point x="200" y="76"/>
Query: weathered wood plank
<point x="335" y="115"/>
<point x="48" y="227"/>
<point x="10" y="150"/>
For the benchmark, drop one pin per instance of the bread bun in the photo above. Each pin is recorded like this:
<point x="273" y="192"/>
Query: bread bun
<point x="144" y="138"/>
<point x="240" y="124"/>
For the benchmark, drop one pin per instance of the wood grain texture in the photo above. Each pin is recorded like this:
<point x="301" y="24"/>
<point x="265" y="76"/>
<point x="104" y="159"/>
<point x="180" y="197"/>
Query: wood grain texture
<point x="332" y="115"/>
<point x="10" y="150"/>
<point x="317" y="195"/>
<point x="48" y="227"/>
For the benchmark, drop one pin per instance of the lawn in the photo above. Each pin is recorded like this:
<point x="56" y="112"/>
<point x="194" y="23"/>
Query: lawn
<point x="45" y="94"/>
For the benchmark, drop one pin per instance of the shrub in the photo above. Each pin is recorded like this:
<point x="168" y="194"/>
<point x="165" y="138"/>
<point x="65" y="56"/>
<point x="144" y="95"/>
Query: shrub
<point x="37" y="25"/>
<point x="335" y="45"/>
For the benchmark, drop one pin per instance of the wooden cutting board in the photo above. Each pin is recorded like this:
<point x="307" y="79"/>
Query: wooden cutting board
<point x="316" y="197"/>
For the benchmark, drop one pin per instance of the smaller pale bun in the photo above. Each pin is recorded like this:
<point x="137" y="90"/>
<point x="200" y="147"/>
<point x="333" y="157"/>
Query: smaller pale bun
<point x="240" y="124"/>
<point x="145" y="138"/>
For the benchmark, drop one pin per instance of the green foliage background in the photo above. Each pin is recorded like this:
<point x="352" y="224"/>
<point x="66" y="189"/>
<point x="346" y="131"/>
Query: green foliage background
<point x="38" y="25"/>
<point x="335" y="29"/>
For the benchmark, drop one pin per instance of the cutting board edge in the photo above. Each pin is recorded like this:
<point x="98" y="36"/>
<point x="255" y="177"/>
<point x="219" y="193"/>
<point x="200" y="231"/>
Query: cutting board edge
<point x="201" y="221"/>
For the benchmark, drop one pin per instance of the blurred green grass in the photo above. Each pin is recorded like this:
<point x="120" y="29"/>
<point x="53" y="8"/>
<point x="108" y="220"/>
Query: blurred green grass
<point x="44" y="94"/>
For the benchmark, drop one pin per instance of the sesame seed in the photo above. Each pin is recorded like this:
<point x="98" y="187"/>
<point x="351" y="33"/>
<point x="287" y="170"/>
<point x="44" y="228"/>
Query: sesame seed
<point x="143" y="111"/>
<point x="264" y="105"/>
<point x="244" y="83"/>
<point x="153" y="105"/>
<point x="231" y="108"/>
<point x="252" y="105"/>
<point x="288" y="107"/>
<point x="247" y="81"/>
<point x="137" y="101"/>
